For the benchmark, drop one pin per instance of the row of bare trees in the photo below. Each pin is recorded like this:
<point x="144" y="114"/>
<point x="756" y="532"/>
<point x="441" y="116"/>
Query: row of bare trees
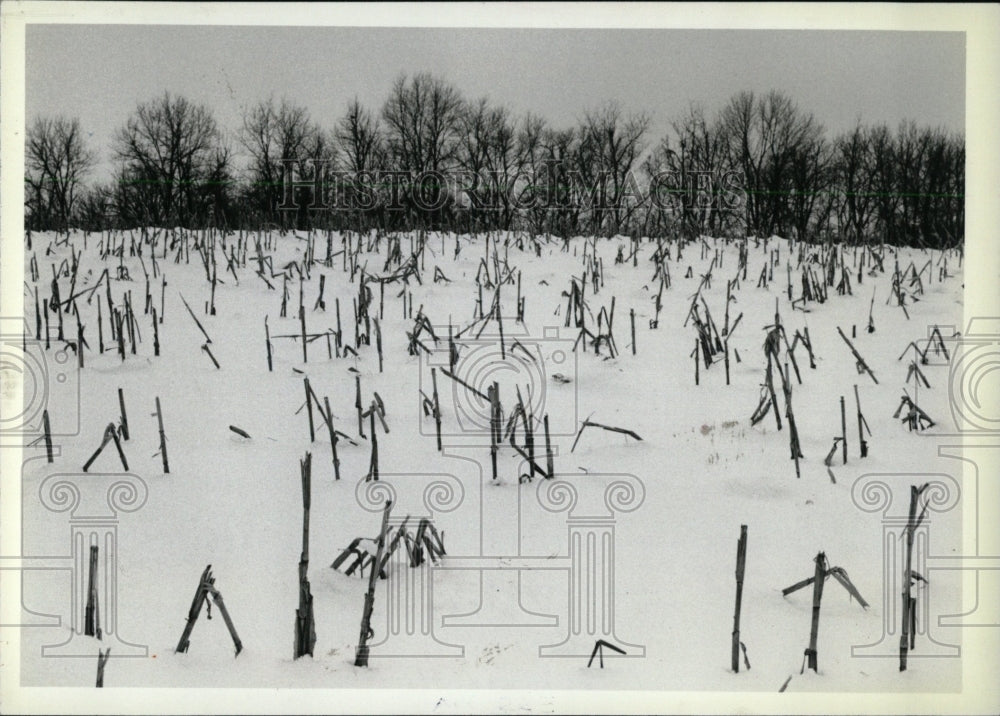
<point x="905" y="186"/>
<point x="432" y="158"/>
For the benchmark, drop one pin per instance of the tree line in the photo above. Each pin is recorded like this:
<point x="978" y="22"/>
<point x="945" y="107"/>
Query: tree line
<point x="431" y="158"/>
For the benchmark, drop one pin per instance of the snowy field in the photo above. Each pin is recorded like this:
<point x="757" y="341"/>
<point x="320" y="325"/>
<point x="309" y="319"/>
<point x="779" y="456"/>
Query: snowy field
<point x="645" y="555"/>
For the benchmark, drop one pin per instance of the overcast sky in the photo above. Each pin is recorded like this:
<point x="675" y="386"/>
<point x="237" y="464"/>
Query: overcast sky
<point x="99" y="73"/>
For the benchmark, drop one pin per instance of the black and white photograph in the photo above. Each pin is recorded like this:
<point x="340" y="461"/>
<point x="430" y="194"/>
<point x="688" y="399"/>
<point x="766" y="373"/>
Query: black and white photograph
<point x="488" y="358"/>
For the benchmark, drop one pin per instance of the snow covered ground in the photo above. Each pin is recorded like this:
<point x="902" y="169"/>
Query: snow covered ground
<point x="665" y="576"/>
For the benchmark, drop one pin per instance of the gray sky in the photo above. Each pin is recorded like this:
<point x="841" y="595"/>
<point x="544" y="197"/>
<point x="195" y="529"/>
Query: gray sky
<point x="99" y="73"/>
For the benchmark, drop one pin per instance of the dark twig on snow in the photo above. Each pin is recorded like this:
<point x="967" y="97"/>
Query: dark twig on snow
<point x="590" y="424"/>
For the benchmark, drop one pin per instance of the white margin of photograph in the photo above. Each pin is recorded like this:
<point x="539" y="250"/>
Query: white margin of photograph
<point x="981" y="24"/>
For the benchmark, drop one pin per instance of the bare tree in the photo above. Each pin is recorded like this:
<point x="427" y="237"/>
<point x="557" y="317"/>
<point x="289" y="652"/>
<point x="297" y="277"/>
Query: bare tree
<point x="852" y="182"/>
<point x="936" y="193"/>
<point x="422" y="119"/>
<point x="553" y="184"/>
<point x="884" y="183"/>
<point x="686" y="173"/>
<point x="502" y="162"/>
<point x="422" y="122"/>
<point x="174" y="165"/>
<point x="525" y="190"/>
<point x="94" y="211"/>
<point x="362" y="154"/>
<point x="810" y="173"/>
<point x="951" y="215"/>
<point x="744" y="152"/>
<point x="911" y="146"/>
<point x="614" y="143"/>
<point x="359" y="138"/>
<point x="763" y="137"/>
<point x="57" y="160"/>
<point x="280" y="138"/>
<point x="489" y="155"/>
